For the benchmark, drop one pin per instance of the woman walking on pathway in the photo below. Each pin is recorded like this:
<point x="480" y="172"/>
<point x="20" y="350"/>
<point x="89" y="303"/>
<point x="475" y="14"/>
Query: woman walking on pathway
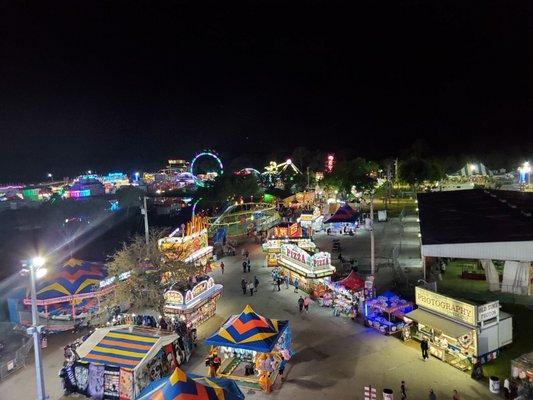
<point x="296" y="285"/>
<point x="243" y="286"/>
<point x="307" y="300"/>
<point x="256" y="283"/>
<point x="301" y="304"/>
<point x="251" y="288"/>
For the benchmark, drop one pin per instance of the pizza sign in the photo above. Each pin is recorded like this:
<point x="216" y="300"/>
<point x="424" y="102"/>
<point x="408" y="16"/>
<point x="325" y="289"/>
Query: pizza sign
<point x="296" y="253"/>
<point x="321" y="259"/>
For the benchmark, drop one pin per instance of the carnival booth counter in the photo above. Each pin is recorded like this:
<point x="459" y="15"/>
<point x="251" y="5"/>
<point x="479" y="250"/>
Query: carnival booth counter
<point x="385" y="313"/>
<point x="189" y="243"/>
<point x="120" y="361"/>
<point x="193" y="302"/>
<point x="192" y="387"/>
<point x="285" y="233"/>
<point x="310" y="270"/>
<point x="345" y="295"/>
<point x="68" y="294"/>
<point x="251" y="348"/>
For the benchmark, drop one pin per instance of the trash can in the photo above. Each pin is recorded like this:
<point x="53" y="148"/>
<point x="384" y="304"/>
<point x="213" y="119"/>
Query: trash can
<point x="494" y="384"/>
<point x="388" y="394"/>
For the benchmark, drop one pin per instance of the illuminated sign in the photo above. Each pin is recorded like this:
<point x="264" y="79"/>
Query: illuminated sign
<point x="200" y="288"/>
<point x="173" y="297"/>
<point x="447" y="306"/>
<point x="322" y="259"/>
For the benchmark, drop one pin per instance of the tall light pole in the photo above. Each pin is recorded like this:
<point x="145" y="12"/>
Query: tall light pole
<point x="372" y="259"/>
<point x="144" y="211"/>
<point x="36" y="269"/>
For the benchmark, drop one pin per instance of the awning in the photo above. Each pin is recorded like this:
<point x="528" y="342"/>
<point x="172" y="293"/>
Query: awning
<point x="447" y="327"/>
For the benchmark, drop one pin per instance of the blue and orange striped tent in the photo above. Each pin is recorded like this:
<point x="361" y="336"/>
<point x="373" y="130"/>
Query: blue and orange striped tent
<point x="249" y="331"/>
<point x="121" y="348"/>
<point x="181" y="386"/>
<point x="73" y="277"/>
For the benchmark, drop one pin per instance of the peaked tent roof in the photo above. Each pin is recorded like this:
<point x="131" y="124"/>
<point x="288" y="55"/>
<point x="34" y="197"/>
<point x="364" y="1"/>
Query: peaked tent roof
<point x="120" y="347"/>
<point x="344" y="213"/>
<point x="352" y="281"/>
<point x="73" y="277"/>
<point x="474" y="169"/>
<point x="181" y="385"/>
<point x="249" y="331"/>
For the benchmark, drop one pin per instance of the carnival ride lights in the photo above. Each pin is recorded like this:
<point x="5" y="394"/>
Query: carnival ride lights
<point x="524" y="172"/>
<point x="247" y="171"/>
<point x="330" y="161"/>
<point x="273" y="168"/>
<point x="207" y="153"/>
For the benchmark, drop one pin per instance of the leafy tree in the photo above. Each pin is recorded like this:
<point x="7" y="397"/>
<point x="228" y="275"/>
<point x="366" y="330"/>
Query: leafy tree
<point x="416" y="170"/>
<point x="229" y="187"/>
<point x="358" y="173"/>
<point x="152" y="271"/>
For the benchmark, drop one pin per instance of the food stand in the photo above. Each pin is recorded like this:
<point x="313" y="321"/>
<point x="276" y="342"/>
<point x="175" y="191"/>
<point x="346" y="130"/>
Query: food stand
<point x="189" y="243"/>
<point x="285" y="233"/>
<point x="312" y="221"/>
<point x="460" y="333"/>
<point x="385" y="313"/>
<point x="251" y="348"/>
<point x="344" y="295"/>
<point x="310" y="270"/>
<point x="193" y="302"/>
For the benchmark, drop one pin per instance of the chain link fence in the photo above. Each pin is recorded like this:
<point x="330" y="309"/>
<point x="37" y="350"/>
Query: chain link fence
<point x="17" y="347"/>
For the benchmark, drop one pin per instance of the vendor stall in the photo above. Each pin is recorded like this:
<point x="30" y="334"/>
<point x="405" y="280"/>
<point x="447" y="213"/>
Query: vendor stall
<point x="193" y="387"/>
<point x="310" y="270"/>
<point x="460" y="333"/>
<point x="385" y="313"/>
<point x="193" y="302"/>
<point x="311" y="220"/>
<point x="250" y="347"/>
<point x="344" y="221"/>
<point x="285" y="233"/>
<point x="69" y="294"/>
<point x="120" y="361"/>
<point x="345" y="295"/>
<point x="189" y="243"/>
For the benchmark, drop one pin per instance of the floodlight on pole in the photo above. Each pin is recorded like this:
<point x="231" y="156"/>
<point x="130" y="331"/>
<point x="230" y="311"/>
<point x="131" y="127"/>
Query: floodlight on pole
<point x="36" y="271"/>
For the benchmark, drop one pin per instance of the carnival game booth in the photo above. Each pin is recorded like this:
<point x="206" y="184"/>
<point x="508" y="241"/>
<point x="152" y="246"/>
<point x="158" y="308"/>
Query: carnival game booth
<point x="69" y="294"/>
<point x="193" y="302"/>
<point x="189" y="243"/>
<point x="386" y="313"/>
<point x="310" y="270"/>
<point x="251" y="348"/>
<point x="345" y="295"/>
<point x="344" y="220"/>
<point x="459" y="332"/>
<point x="120" y="361"/>
<point x="180" y="385"/>
<point x="286" y="233"/>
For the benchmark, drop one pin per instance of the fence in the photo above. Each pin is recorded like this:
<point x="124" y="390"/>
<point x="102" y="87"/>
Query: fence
<point x="12" y="361"/>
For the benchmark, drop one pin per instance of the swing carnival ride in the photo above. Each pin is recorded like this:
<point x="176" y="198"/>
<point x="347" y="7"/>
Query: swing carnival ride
<point x="274" y="171"/>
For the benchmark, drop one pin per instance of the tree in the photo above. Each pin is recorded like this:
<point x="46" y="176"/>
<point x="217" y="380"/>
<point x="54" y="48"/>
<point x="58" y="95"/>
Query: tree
<point x="416" y="170"/>
<point x="357" y="173"/>
<point x="129" y="196"/>
<point x="151" y="273"/>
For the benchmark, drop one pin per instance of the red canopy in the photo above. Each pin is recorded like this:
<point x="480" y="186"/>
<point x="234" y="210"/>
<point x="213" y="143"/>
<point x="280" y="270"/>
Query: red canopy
<point x="352" y="281"/>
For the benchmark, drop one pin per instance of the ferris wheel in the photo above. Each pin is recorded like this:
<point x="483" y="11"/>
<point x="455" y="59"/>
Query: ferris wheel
<point x="207" y="153"/>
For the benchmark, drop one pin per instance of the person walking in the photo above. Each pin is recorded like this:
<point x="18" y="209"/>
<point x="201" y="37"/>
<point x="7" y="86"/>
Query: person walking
<point x="286" y="279"/>
<point x="244" y="265"/>
<point x="424" y="345"/>
<point x="256" y="283"/>
<point x="506" y="388"/>
<point x="243" y="286"/>
<point x="403" y="391"/>
<point x="296" y="285"/>
<point x="249" y="265"/>
<point x="278" y="283"/>
<point x="432" y="395"/>
<point x="301" y="304"/>
<point x="307" y="300"/>
<point x="222" y="267"/>
<point x="251" y="288"/>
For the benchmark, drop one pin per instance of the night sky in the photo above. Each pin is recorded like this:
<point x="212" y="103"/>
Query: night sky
<point x="125" y="85"/>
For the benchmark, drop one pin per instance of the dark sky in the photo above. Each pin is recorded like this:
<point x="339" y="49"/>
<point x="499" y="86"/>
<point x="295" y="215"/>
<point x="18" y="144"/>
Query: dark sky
<point x="125" y="85"/>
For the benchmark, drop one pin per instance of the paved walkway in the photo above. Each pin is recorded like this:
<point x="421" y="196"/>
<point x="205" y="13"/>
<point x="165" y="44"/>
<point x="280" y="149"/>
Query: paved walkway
<point x="334" y="358"/>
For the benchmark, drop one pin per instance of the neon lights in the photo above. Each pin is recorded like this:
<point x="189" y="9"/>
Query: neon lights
<point x="206" y="154"/>
<point x="330" y="161"/>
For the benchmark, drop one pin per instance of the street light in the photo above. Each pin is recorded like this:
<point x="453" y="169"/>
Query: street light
<point x="37" y="271"/>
